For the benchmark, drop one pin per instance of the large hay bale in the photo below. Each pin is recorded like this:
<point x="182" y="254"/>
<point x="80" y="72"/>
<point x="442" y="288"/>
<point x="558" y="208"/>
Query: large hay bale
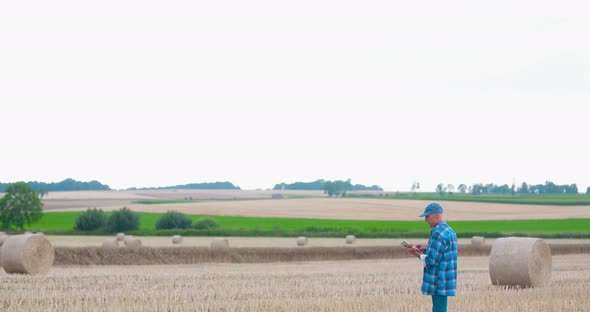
<point x="520" y="261"/>
<point x="120" y="236"/>
<point x="28" y="254"/>
<point x="219" y="243"/>
<point x="350" y="239"/>
<point x="132" y="242"/>
<point x="478" y="241"/>
<point x="176" y="239"/>
<point x="110" y="244"/>
<point x="3" y="238"/>
<point x="302" y="241"/>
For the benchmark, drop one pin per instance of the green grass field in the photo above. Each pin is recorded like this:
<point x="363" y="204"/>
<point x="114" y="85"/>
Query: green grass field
<point x="545" y="199"/>
<point x="63" y="223"/>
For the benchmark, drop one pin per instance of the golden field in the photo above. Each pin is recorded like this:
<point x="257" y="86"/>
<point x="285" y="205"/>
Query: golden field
<point x="259" y="204"/>
<point x="358" y="285"/>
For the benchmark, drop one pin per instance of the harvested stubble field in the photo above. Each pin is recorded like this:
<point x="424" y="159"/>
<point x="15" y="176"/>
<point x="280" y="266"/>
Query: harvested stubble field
<point x="85" y="199"/>
<point x="316" y="208"/>
<point x="361" y="285"/>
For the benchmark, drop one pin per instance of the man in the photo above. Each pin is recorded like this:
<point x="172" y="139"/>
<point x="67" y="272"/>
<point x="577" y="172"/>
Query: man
<point x="439" y="258"/>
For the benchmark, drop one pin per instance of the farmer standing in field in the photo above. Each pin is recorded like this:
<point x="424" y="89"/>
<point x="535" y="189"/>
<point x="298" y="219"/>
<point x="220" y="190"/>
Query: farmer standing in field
<point x="439" y="258"/>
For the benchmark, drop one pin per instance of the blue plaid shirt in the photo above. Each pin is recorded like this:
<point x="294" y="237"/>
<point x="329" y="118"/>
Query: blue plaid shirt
<point x="440" y="271"/>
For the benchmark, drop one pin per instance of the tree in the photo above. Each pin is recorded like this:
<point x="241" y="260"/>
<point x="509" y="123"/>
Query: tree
<point x="572" y="189"/>
<point x="523" y="189"/>
<point x="123" y="220"/>
<point x="415" y="186"/>
<point x="588" y="190"/>
<point x="477" y="189"/>
<point x="450" y="188"/>
<point x="205" y="224"/>
<point x="20" y="205"/>
<point x="335" y="188"/>
<point x="91" y="219"/>
<point x="462" y="188"/>
<point x="173" y="220"/>
<point x="440" y="188"/>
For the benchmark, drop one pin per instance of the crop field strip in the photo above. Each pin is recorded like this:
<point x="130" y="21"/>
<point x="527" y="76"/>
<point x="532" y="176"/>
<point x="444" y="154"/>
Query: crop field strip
<point x="359" y="285"/>
<point x="192" y="255"/>
<point x="62" y="223"/>
<point x="346" y="209"/>
<point x="239" y="242"/>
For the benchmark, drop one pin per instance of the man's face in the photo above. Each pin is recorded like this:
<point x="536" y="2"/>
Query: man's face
<point x="432" y="219"/>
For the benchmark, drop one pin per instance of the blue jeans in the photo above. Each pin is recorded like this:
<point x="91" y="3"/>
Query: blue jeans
<point x="439" y="303"/>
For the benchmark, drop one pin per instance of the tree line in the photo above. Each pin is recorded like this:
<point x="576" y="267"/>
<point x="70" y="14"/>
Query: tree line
<point x="525" y="188"/>
<point x="332" y="188"/>
<point x="65" y="185"/>
<point x="73" y="185"/>
<point x="201" y="186"/>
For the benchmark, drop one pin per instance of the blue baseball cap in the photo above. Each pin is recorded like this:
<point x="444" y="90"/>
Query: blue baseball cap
<point x="432" y="208"/>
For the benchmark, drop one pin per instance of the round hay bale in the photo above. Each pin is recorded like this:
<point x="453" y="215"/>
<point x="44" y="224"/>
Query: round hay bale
<point x="3" y="238"/>
<point x="176" y="239"/>
<point x="110" y="244"/>
<point x="132" y="242"/>
<point x="520" y="261"/>
<point x="302" y="241"/>
<point x="28" y="254"/>
<point x="120" y="236"/>
<point x="219" y="243"/>
<point x="350" y="239"/>
<point x="478" y="241"/>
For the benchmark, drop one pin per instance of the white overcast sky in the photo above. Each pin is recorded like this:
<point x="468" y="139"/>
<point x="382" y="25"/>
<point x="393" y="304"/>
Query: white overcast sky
<point x="155" y="93"/>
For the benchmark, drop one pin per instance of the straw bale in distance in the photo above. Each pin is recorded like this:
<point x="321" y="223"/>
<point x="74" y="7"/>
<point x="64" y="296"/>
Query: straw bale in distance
<point x="350" y="239"/>
<point x="132" y="242"/>
<point x="110" y="243"/>
<point x="478" y="241"/>
<point x="28" y="254"/>
<point x="120" y="236"/>
<point x="302" y="241"/>
<point x="219" y="243"/>
<point x="176" y="239"/>
<point x="520" y="261"/>
<point x="3" y="238"/>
